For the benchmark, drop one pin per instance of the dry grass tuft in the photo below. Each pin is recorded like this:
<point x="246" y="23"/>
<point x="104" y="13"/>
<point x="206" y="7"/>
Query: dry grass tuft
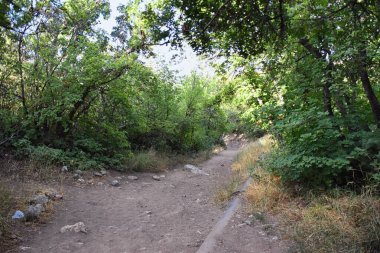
<point x="247" y="160"/>
<point x="244" y="162"/>
<point x="329" y="222"/>
<point x="265" y="192"/>
<point x="336" y="221"/>
<point x="224" y="193"/>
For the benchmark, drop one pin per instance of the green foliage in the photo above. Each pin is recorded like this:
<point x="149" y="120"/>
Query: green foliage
<point x="68" y="96"/>
<point x="307" y="71"/>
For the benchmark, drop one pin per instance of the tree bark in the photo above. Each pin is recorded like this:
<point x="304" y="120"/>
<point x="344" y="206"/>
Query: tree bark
<point x="373" y="101"/>
<point x="21" y="72"/>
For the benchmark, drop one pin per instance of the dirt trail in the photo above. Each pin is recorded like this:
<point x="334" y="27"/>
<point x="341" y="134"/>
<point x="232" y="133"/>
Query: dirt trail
<point x="172" y="215"/>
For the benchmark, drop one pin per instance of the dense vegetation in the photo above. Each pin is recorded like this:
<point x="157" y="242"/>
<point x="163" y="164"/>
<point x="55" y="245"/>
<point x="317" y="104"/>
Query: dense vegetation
<point x="70" y="94"/>
<point x="307" y="71"/>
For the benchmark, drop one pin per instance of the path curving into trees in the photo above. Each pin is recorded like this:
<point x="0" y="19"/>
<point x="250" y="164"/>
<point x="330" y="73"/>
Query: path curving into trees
<point x="172" y="215"/>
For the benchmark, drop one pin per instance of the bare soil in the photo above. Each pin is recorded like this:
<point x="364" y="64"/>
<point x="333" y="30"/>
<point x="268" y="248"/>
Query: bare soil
<point x="174" y="214"/>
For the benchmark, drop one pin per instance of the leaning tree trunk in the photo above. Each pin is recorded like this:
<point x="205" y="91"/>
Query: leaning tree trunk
<point x="371" y="96"/>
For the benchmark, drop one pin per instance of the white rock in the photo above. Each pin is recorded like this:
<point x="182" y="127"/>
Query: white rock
<point x="115" y="183"/>
<point x="77" y="227"/>
<point x="25" y="248"/>
<point x="34" y="211"/>
<point x="195" y="170"/>
<point x="132" y="177"/>
<point x="155" y="177"/>
<point x="79" y="172"/>
<point x="98" y="174"/>
<point x="64" y="169"/>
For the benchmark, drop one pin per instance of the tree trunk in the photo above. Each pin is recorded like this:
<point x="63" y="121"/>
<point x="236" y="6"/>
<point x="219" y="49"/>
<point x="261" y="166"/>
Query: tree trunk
<point x="373" y="101"/>
<point x="21" y="72"/>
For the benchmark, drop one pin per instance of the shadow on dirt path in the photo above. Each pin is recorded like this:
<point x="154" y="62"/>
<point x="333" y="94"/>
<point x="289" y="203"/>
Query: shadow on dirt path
<point x="174" y="214"/>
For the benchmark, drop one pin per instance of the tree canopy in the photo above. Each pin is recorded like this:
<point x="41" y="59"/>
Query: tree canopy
<point x="305" y="71"/>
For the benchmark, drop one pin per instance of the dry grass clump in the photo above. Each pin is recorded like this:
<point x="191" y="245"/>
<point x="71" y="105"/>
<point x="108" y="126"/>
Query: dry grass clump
<point x="328" y="222"/>
<point x="245" y="161"/>
<point x="266" y="192"/>
<point x="225" y="192"/>
<point x="337" y="221"/>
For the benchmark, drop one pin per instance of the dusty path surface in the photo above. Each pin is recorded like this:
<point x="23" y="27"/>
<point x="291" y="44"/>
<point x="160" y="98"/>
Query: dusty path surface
<point x="174" y="214"/>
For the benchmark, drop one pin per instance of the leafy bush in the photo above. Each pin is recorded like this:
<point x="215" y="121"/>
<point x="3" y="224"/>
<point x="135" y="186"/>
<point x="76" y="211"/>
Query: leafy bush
<point x="315" y="151"/>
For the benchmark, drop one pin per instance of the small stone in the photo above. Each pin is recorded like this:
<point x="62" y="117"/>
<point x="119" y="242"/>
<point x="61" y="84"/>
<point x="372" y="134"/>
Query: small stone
<point x="79" y="172"/>
<point x="155" y="177"/>
<point x="39" y="199"/>
<point x="81" y="180"/>
<point x="77" y="227"/>
<point x="274" y="238"/>
<point x="64" y="169"/>
<point x="119" y="178"/>
<point x="195" y="170"/>
<point x="148" y="212"/>
<point x="23" y="248"/>
<point x="132" y="177"/>
<point x="103" y="172"/>
<point x="98" y="174"/>
<point x="34" y="211"/>
<point x="115" y="183"/>
<point x="76" y="176"/>
<point x="100" y="183"/>
<point x="162" y="176"/>
<point x="248" y="222"/>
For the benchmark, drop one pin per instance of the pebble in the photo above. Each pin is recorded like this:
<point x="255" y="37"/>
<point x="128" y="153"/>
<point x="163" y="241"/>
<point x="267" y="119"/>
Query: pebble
<point x="132" y="177"/>
<point x="115" y="183"/>
<point x="25" y="248"/>
<point x="76" y="176"/>
<point x="77" y="227"/>
<point x="155" y="177"/>
<point x="79" y="172"/>
<point x="162" y="176"/>
<point x="81" y="180"/>
<point x="98" y="174"/>
<point x="39" y="199"/>
<point x="103" y="172"/>
<point x="64" y="169"/>
<point x="34" y="211"/>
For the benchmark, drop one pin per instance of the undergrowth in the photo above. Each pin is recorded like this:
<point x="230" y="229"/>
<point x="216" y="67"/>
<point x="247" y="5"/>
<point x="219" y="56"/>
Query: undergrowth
<point x="315" y="221"/>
